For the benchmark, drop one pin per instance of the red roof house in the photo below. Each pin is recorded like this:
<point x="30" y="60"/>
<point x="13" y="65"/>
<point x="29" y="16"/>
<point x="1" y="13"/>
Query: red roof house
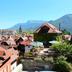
<point x="46" y="32"/>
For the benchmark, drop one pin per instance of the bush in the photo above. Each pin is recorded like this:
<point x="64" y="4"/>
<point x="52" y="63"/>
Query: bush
<point x="59" y="38"/>
<point x="28" y="54"/>
<point x="61" y="58"/>
<point x="61" y="65"/>
<point x="62" y="48"/>
<point x="64" y="53"/>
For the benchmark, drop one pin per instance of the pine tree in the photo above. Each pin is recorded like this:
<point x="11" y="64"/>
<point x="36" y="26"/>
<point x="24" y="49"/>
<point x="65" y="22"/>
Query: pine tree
<point x="20" y="30"/>
<point x="59" y="26"/>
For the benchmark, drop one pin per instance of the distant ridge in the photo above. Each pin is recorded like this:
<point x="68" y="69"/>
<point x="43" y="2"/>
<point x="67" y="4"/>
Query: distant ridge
<point x="28" y="26"/>
<point x="65" y="22"/>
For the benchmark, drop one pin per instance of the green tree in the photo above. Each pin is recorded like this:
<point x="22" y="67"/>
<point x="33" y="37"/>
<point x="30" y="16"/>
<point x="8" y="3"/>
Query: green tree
<point x="59" y="38"/>
<point x="62" y="48"/>
<point x="61" y="65"/>
<point x="20" y="29"/>
<point x="65" y="32"/>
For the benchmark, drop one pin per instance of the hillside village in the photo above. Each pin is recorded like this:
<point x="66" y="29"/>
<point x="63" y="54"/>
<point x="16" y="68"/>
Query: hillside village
<point x="46" y="49"/>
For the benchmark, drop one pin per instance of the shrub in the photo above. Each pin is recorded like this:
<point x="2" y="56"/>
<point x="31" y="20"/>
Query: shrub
<point x="61" y="58"/>
<point x="61" y="65"/>
<point x="62" y="48"/>
<point x="28" y="54"/>
<point x="59" y="38"/>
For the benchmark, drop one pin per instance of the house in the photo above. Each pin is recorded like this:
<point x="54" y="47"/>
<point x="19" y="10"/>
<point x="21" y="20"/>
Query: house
<point x="25" y="43"/>
<point x="8" y="60"/>
<point x="20" y="39"/>
<point x="7" y="32"/>
<point x="4" y="60"/>
<point x="10" y="41"/>
<point x="13" y="58"/>
<point x="67" y="37"/>
<point x="46" y="32"/>
<point x="30" y="38"/>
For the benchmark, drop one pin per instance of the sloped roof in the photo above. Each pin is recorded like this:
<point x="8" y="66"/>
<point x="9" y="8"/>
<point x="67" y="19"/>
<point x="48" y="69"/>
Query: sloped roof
<point x="14" y="54"/>
<point x="3" y="58"/>
<point x="11" y="41"/>
<point x="0" y="38"/>
<point x="25" y="43"/>
<point x="52" y="28"/>
<point x="68" y="37"/>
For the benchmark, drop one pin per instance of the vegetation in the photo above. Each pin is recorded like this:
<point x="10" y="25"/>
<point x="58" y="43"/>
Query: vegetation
<point x="29" y="32"/>
<point x="65" y="32"/>
<point x="59" y="38"/>
<point x="28" y="54"/>
<point x="62" y="48"/>
<point x="61" y="65"/>
<point x="62" y="60"/>
<point x="20" y="30"/>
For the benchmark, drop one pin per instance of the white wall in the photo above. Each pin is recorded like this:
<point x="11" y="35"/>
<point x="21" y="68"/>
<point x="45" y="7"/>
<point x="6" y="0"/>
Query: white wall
<point x="13" y="66"/>
<point x="18" y="68"/>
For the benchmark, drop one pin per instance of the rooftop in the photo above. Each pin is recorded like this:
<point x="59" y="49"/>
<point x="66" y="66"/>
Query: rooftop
<point x="51" y="28"/>
<point x="4" y="56"/>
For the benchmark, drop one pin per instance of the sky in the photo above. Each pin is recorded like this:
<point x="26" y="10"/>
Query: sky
<point x="20" y="11"/>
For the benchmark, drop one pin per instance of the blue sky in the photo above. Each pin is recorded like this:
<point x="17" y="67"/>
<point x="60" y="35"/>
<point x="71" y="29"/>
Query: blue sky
<point x="19" y="11"/>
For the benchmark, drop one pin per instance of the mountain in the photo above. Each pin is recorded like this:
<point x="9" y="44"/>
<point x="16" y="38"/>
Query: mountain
<point x="28" y="26"/>
<point x="64" y="21"/>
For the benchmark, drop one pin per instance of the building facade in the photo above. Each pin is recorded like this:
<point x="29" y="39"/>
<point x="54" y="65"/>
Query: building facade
<point x="8" y="60"/>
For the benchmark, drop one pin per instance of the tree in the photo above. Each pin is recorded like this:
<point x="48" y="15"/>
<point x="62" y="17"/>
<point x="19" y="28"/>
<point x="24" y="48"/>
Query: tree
<point x="65" y="32"/>
<point x="59" y="38"/>
<point x="59" y="26"/>
<point x="62" y="48"/>
<point x="20" y="30"/>
<point x="61" y="65"/>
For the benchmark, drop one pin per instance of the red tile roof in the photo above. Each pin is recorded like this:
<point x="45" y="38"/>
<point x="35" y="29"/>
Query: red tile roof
<point x="2" y="52"/>
<point x="52" y="28"/>
<point x="5" y="57"/>
<point x="10" y="56"/>
<point x="25" y="43"/>
<point x="14" y="54"/>
<point x="68" y="37"/>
